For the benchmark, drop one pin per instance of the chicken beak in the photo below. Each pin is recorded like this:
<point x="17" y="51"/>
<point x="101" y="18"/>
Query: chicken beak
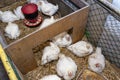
<point x="68" y="38"/>
<point x="97" y="65"/>
<point x="70" y="74"/>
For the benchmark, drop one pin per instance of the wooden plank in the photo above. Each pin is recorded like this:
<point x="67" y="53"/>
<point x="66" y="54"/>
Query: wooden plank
<point x="7" y="65"/>
<point x="22" y="57"/>
<point x="21" y="50"/>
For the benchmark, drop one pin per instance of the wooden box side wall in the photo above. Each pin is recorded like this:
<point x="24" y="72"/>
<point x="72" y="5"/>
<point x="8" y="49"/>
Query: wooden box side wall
<point x="21" y="50"/>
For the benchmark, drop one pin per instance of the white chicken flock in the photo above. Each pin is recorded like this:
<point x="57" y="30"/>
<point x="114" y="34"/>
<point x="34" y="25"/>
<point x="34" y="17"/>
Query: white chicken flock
<point x="66" y="66"/>
<point x="43" y="5"/>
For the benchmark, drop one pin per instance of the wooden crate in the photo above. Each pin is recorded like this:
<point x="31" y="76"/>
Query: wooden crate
<point x="21" y="50"/>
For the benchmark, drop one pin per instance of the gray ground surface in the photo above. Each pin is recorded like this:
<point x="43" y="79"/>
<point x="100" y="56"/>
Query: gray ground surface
<point x="3" y="74"/>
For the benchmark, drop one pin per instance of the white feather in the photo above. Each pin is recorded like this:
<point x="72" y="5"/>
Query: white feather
<point x="81" y="48"/>
<point x="63" y="39"/>
<point x="66" y="67"/>
<point x="47" y="22"/>
<point x="50" y="77"/>
<point x="48" y="8"/>
<point x="96" y="61"/>
<point x="8" y="16"/>
<point x="19" y="13"/>
<point x="50" y="53"/>
<point x="12" y="30"/>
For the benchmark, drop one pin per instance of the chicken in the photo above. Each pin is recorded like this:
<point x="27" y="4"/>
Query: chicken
<point x="81" y="48"/>
<point x="50" y="53"/>
<point x="47" y="22"/>
<point x="96" y="61"/>
<point x="19" y="13"/>
<point x="62" y="40"/>
<point x="66" y="67"/>
<point x="8" y="16"/>
<point x="50" y="77"/>
<point x="48" y="8"/>
<point x="12" y="30"/>
<point x="37" y="2"/>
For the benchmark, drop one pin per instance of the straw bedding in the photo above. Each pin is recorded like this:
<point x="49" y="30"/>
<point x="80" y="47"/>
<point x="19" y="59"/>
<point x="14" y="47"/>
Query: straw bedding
<point x="109" y="72"/>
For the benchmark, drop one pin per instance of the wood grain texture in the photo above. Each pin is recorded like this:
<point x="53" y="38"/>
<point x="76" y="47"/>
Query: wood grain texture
<point x="21" y="50"/>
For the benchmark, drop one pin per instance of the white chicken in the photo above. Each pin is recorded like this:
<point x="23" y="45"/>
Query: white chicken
<point x="37" y="2"/>
<point x="62" y="40"/>
<point x="81" y="48"/>
<point x="12" y="30"/>
<point x="48" y="8"/>
<point x="96" y="61"/>
<point x="66" y="67"/>
<point x="47" y="22"/>
<point x="50" y="53"/>
<point x="19" y="13"/>
<point x="8" y="16"/>
<point x="50" y="77"/>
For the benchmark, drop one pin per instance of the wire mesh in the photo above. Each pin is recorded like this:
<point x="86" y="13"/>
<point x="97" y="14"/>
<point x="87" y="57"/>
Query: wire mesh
<point x="103" y="30"/>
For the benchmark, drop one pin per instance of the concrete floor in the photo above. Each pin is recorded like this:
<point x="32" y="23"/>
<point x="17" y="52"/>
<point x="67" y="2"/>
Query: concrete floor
<point x="3" y="74"/>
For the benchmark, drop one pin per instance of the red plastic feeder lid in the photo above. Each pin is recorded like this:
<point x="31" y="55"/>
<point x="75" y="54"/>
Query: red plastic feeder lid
<point x="29" y="8"/>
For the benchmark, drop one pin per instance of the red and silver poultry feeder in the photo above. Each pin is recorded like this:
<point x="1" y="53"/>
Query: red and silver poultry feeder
<point x="32" y="18"/>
